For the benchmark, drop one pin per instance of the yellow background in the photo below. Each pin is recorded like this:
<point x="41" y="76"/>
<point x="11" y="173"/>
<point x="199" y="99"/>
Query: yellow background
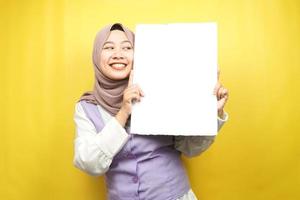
<point x="46" y="65"/>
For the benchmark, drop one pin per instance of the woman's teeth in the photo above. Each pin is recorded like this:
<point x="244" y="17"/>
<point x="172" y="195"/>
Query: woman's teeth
<point x="118" y="66"/>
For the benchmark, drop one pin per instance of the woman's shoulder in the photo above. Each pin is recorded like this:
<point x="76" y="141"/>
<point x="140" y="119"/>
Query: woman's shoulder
<point x="79" y="109"/>
<point x="82" y="106"/>
<point x="79" y="105"/>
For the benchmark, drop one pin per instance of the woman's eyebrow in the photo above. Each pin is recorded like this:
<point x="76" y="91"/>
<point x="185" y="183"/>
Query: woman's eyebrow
<point x="108" y="42"/>
<point x="125" y="41"/>
<point x="111" y="42"/>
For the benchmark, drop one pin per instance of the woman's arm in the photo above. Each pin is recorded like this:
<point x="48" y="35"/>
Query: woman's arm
<point x="192" y="146"/>
<point x="93" y="152"/>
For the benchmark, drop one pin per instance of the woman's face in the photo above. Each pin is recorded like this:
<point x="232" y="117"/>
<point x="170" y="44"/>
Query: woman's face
<point x="116" y="56"/>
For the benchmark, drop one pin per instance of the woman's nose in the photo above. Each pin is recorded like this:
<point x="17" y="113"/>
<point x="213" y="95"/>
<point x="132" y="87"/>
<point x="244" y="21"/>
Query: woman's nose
<point x="118" y="55"/>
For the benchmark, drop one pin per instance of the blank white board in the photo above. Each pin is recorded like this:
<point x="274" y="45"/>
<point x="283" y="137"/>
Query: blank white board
<point x="176" y="67"/>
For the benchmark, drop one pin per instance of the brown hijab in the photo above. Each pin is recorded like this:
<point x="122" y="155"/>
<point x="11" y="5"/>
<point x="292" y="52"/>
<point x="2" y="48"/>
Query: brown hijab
<point x="107" y="92"/>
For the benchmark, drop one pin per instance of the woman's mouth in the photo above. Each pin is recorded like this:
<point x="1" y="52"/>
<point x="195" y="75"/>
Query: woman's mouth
<point x="118" y="66"/>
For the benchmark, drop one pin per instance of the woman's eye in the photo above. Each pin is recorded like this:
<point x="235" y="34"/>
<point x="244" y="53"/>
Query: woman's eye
<point x="127" y="48"/>
<point x="108" y="47"/>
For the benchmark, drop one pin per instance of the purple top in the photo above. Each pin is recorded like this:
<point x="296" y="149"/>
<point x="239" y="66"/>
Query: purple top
<point x="147" y="167"/>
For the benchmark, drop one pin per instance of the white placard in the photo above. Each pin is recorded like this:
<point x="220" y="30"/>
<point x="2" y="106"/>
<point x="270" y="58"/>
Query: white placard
<point x="176" y="67"/>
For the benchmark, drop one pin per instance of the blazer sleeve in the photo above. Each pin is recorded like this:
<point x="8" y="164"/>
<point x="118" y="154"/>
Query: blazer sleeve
<point x="93" y="152"/>
<point x="192" y="146"/>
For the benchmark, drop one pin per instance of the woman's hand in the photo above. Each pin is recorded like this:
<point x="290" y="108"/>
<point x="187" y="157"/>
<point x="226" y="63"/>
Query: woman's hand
<point x="222" y="96"/>
<point x="131" y="94"/>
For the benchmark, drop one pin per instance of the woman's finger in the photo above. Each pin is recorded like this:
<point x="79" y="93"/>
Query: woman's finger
<point x="130" y="82"/>
<point x="219" y="92"/>
<point x="130" y="91"/>
<point x="136" y="92"/>
<point x="133" y="96"/>
<point x="131" y="88"/>
<point x="141" y="91"/>
<point x="134" y="88"/>
<point x="221" y="103"/>
<point x="217" y="87"/>
<point x="224" y="92"/>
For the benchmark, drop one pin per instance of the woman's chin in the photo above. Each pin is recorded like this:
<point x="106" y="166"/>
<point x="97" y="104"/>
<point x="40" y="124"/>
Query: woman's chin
<point x="119" y="75"/>
<point x="116" y="74"/>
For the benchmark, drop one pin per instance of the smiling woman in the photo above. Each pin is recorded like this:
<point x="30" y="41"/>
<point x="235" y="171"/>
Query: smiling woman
<point x="117" y="55"/>
<point x="135" y="166"/>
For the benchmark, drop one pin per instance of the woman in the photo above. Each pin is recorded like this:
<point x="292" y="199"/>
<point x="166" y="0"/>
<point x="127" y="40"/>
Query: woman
<point x="135" y="166"/>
